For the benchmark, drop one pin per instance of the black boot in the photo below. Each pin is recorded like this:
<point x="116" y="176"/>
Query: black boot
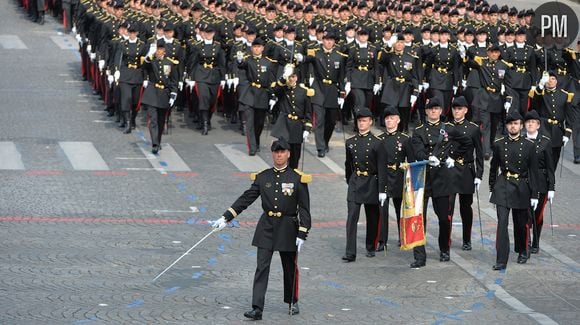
<point x="127" y="129"/>
<point x="133" y="119"/>
<point x="205" y="128"/>
<point x="123" y="120"/>
<point x="41" y="18"/>
<point x="234" y="119"/>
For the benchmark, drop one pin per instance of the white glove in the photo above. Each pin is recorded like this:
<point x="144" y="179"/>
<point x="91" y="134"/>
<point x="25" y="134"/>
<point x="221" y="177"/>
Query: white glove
<point x="152" y="49"/>
<point x="79" y="39"/>
<point x="272" y="102"/>
<point x="490" y="193"/>
<point x="565" y="139"/>
<point x="101" y="65"/>
<point x="413" y="100"/>
<point x="340" y="102"/>
<point x="347" y="88"/>
<point x="477" y="182"/>
<point x="229" y="82"/>
<point x="180" y="85"/>
<point x="235" y="82"/>
<point x="382" y="198"/>
<point x="376" y="89"/>
<point x="543" y="81"/>
<point x="462" y="51"/>
<point x="145" y="83"/>
<point x="110" y="79"/>
<point x="74" y="29"/>
<point x="288" y="70"/>
<point x="171" y="101"/>
<point x="533" y="88"/>
<point x="420" y="87"/>
<point x="455" y="90"/>
<point x="551" y="196"/>
<point x="305" y="135"/>
<point x="299" y="244"/>
<point x="434" y="161"/>
<point x="507" y="106"/>
<point x="222" y="84"/>
<point x="534" y="203"/>
<point x="311" y="80"/>
<point x="190" y="84"/>
<point x="450" y="162"/>
<point x="92" y="56"/>
<point x="464" y="84"/>
<point x="117" y="75"/>
<point x="392" y="40"/>
<point x="219" y="224"/>
<point x="89" y="49"/>
<point x="240" y="56"/>
<point x="425" y="86"/>
<point x="299" y="57"/>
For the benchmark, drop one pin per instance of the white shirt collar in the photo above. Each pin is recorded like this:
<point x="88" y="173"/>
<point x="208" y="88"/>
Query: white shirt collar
<point x="289" y="43"/>
<point x="278" y="39"/>
<point x="509" y="44"/>
<point x="361" y="45"/>
<point x="443" y="46"/>
<point x="532" y="136"/>
<point x="349" y="39"/>
<point x="133" y="41"/>
<point x="207" y="41"/>
<point x="520" y="45"/>
<point x="481" y="44"/>
<point x="170" y="41"/>
<point x="240" y="39"/>
<point x="312" y="37"/>
<point x="409" y="44"/>
<point x="426" y="41"/>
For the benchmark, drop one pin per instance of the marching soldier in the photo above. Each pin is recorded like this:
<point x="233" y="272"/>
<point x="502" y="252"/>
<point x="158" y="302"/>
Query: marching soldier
<point x="513" y="183"/>
<point x="160" y="91"/>
<point x="360" y="69"/>
<point x="283" y="226"/>
<point x="295" y="118"/>
<point x="328" y="68"/>
<point x="522" y="75"/>
<point x="432" y="141"/>
<point x="361" y="175"/>
<point x="554" y="107"/>
<point x="395" y="148"/>
<point x="467" y="173"/>
<point x="546" y="178"/>
<point x="259" y="72"/>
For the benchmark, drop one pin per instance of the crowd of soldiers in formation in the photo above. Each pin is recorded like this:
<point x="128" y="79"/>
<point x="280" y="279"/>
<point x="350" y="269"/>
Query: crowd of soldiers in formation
<point x="306" y="65"/>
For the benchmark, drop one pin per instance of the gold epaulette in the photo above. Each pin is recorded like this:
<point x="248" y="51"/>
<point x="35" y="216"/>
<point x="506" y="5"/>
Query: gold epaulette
<point x="173" y="61"/>
<point x="311" y="51"/>
<point x="499" y="139"/>
<point x="507" y="63"/>
<point x="271" y="60"/>
<point x="309" y="91"/>
<point x="547" y="138"/>
<point x="473" y="123"/>
<point x="420" y="126"/>
<point x="570" y="96"/>
<point x="572" y="53"/>
<point x="380" y="136"/>
<point x="342" y="54"/>
<point x="532" y="141"/>
<point x="478" y="60"/>
<point x="304" y="178"/>
<point x="254" y="175"/>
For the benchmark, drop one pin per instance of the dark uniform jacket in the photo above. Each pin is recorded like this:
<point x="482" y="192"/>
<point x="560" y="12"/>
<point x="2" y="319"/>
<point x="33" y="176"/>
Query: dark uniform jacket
<point x="128" y="60"/>
<point x="394" y="149"/>
<point x="513" y="174"/>
<point x="286" y="205"/>
<point x="361" y="168"/>
<point x="546" y="179"/>
<point x="523" y="73"/>
<point x="259" y="73"/>
<point x="163" y="77"/>
<point x="360" y="66"/>
<point x="328" y="68"/>
<point x="436" y="139"/>
<point x="555" y="110"/>
<point x="443" y="67"/>
<point x="468" y="160"/>
<point x="400" y="74"/>
<point x="207" y="63"/>
<point x="491" y="77"/>
<point x="295" y="113"/>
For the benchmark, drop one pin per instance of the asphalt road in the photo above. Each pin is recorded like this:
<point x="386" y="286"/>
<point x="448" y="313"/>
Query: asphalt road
<point x="88" y="218"/>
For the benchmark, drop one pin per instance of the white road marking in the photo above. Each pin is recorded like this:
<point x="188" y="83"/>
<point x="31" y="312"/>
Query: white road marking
<point x="237" y="154"/>
<point x="10" y="157"/>
<point x="12" y="42"/>
<point x="167" y="159"/>
<point x="83" y="156"/>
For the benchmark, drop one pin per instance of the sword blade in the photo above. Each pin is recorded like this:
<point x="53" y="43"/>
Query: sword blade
<point x="182" y="256"/>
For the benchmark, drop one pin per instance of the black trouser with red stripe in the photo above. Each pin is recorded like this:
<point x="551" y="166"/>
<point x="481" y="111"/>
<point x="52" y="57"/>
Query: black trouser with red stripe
<point x="466" y="212"/>
<point x="539" y="220"/>
<point x="372" y="214"/>
<point x="289" y="267"/>
<point x="441" y="207"/>
<point x="294" y="155"/>
<point x="384" y="219"/>
<point x="520" y="218"/>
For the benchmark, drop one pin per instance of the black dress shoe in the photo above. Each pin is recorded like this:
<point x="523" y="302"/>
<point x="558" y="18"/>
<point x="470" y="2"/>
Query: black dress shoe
<point x="534" y="250"/>
<point x="444" y="257"/>
<point x="381" y="247"/>
<point x="466" y="246"/>
<point x="486" y="156"/>
<point x="326" y="149"/>
<point x="349" y="258"/>
<point x="155" y="150"/>
<point x="522" y="258"/>
<point x="417" y="264"/>
<point x="577" y="160"/>
<point x="321" y="153"/>
<point x="498" y="266"/>
<point x="255" y="314"/>
<point x="252" y="152"/>
<point x="371" y="254"/>
<point x="294" y="310"/>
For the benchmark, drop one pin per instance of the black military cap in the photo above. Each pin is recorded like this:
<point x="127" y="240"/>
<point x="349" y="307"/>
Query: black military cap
<point x="184" y="4"/>
<point x="271" y="7"/>
<point x="416" y="10"/>
<point x="521" y="31"/>
<point x="530" y="12"/>
<point x="343" y="8"/>
<point x="532" y="115"/>
<point x="118" y="4"/>
<point x="349" y="27"/>
<point x="258" y="41"/>
<point x="406" y="9"/>
<point x="504" y="9"/>
<point x="454" y="12"/>
<point x="278" y="26"/>
<point x="513" y="116"/>
<point x="459" y="101"/>
<point x="131" y="27"/>
<point x="160" y="25"/>
<point x="196" y="6"/>
<point x="363" y="112"/>
<point x="513" y="11"/>
<point x="407" y="31"/>
<point x="390" y="110"/>
<point x="363" y="31"/>
<point x="400" y="37"/>
<point x="124" y="24"/>
<point x="501" y="30"/>
<point x="320" y="28"/>
<point x="232" y="7"/>
<point x="445" y="11"/>
<point x="493" y="47"/>
<point x="160" y="43"/>
<point x="460" y="5"/>
<point x="428" y="4"/>
<point x="481" y="31"/>
<point x="329" y="34"/>
<point x="433" y="102"/>
<point x="485" y="10"/>
<point x="437" y="8"/>
<point x="425" y="28"/>
<point x="250" y="30"/>
<point x="280" y="144"/>
<point x="521" y="14"/>
<point x="509" y="31"/>
<point x="477" y="10"/>
<point x="381" y="9"/>
<point x="469" y="31"/>
<point x="298" y="7"/>
<point x="362" y="5"/>
<point x="289" y="29"/>
<point x="435" y="30"/>
<point x="552" y="73"/>
<point x="168" y="25"/>
<point x="444" y="30"/>
<point x="493" y="9"/>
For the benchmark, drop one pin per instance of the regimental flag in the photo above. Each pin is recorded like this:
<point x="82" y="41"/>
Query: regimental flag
<point x="412" y="227"/>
